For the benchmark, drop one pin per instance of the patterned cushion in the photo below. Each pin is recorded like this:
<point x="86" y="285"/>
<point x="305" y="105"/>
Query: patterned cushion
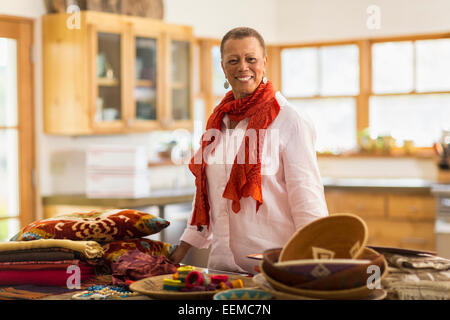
<point x="115" y="249"/>
<point x="101" y="226"/>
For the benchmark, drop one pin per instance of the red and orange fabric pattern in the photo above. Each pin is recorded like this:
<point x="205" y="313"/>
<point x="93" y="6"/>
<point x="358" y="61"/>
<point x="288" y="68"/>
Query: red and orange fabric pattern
<point x="115" y="249"/>
<point x="101" y="226"/>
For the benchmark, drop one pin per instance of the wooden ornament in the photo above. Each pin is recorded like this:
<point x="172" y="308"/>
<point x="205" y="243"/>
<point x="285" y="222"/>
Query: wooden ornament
<point x="143" y="8"/>
<point x="112" y="6"/>
<point x="94" y="5"/>
<point x="60" y="6"/>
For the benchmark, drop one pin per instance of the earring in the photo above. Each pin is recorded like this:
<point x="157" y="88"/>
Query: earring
<point x="264" y="80"/>
<point x="226" y="84"/>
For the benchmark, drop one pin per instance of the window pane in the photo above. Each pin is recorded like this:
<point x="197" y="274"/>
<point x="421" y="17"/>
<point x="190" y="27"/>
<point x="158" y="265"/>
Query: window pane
<point x="433" y="65"/>
<point x="8" y="82"/>
<point x="392" y="67"/>
<point x="218" y="75"/>
<point x="299" y="72"/>
<point x="109" y="68"/>
<point x="146" y="85"/>
<point x="420" y="118"/>
<point x="8" y="229"/>
<point x="180" y="77"/>
<point x="334" y="120"/>
<point x="339" y="70"/>
<point x="9" y="186"/>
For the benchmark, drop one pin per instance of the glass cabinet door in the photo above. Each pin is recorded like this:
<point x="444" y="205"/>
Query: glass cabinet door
<point x="145" y="89"/>
<point x="180" y="80"/>
<point x="109" y="69"/>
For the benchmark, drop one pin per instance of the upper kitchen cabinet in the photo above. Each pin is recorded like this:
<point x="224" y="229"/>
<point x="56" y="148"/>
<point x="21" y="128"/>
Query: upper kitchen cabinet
<point x="115" y="74"/>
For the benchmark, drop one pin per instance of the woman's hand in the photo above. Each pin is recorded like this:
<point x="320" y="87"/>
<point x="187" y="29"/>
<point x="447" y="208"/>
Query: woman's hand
<point x="180" y="252"/>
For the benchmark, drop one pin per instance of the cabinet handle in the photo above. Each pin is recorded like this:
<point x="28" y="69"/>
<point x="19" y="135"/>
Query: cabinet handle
<point x="413" y="209"/>
<point x="359" y="206"/>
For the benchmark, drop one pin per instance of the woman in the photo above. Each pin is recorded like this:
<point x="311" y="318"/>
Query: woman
<point x="242" y="208"/>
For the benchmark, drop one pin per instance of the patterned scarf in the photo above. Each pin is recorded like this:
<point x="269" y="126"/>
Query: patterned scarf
<point x="261" y="108"/>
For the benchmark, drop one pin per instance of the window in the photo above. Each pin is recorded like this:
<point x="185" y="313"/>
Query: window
<point x="411" y="90"/>
<point x="17" y="203"/>
<point x="323" y="82"/>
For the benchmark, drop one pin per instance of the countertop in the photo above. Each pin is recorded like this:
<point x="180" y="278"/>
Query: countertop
<point x="381" y="185"/>
<point x="156" y="198"/>
<point x="184" y="195"/>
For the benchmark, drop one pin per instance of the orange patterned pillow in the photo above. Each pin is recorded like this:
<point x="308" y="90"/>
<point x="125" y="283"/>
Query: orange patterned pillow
<point x="101" y="226"/>
<point x="115" y="249"/>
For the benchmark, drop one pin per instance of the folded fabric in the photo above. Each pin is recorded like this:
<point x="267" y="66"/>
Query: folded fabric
<point x="418" y="262"/>
<point x="97" y="225"/>
<point x="417" y="277"/>
<point x="38" y="254"/>
<point x="417" y="285"/>
<point x="135" y="265"/>
<point x="89" y="249"/>
<point x="115" y="249"/>
<point x="41" y="265"/>
<point x="43" y="277"/>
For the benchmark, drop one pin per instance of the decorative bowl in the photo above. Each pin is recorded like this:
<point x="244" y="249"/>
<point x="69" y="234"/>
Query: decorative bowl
<point x="363" y="292"/>
<point x="329" y="274"/>
<point x="243" y="294"/>
<point x="338" y="236"/>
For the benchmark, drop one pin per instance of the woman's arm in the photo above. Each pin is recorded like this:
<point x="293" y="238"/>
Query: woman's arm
<point x="180" y="252"/>
<point x="303" y="182"/>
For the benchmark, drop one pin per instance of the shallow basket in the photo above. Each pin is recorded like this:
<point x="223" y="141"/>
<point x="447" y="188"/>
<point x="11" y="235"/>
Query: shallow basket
<point x="338" y="236"/>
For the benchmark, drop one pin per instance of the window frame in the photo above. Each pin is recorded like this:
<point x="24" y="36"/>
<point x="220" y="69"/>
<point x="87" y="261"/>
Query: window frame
<point x="22" y="30"/>
<point x="365" y="77"/>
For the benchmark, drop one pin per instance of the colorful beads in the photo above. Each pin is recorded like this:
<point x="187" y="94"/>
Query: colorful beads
<point x="188" y="279"/>
<point x="173" y="285"/>
<point x="103" y="292"/>
<point x="194" y="279"/>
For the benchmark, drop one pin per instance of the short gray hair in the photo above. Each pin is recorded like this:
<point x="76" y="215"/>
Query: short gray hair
<point x="241" y="33"/>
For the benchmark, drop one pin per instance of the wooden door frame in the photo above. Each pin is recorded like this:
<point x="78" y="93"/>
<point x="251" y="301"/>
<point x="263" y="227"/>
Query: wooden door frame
<point x="22" y="29"/>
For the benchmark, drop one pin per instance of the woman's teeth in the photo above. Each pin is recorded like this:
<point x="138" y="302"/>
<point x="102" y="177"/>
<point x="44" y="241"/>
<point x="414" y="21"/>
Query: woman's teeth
<point x="244" y="78"/>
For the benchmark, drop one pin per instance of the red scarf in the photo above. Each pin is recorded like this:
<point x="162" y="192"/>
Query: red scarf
<point x="261" y="108"/>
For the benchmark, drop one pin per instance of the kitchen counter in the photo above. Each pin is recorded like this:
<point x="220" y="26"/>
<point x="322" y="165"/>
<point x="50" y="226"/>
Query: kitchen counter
<point x="184" y="195"/>
<point x="409" y="185"/>
<point x="156" y="198"/>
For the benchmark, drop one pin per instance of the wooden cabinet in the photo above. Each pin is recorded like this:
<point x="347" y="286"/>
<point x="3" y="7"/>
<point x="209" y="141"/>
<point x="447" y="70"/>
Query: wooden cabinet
<point x="397" y="219"/>
<point x="116" y="74"/>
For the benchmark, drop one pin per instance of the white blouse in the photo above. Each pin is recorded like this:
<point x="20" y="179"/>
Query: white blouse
<point x="292" y="192"/>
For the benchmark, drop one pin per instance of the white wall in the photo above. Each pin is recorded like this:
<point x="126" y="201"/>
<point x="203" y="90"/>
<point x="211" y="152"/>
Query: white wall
<point x="213" y="18"/>
<point x="316" y="20"/>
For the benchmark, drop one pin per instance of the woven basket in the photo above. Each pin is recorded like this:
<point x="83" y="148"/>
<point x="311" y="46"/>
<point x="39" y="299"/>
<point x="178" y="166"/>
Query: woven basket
<point x="338" y="236"/>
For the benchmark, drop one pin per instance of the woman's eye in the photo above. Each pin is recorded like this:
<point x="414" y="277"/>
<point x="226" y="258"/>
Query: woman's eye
<point x="234" y="61"/>
<point x="251" y="59"/>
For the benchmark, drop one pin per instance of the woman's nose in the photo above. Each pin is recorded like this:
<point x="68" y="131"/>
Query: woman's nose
<point x="243" y="65"/>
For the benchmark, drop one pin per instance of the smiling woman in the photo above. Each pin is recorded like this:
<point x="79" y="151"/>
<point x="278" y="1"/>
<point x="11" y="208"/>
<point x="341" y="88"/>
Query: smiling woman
<point x="242" y="207"/>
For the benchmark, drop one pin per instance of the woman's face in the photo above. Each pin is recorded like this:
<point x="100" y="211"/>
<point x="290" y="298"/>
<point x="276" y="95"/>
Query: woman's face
<point x="244" y="65"/>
